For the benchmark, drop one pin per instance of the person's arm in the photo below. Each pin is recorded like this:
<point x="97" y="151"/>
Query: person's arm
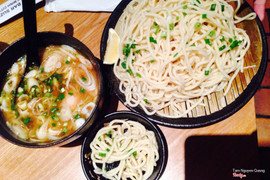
<point x="259" y="8"/>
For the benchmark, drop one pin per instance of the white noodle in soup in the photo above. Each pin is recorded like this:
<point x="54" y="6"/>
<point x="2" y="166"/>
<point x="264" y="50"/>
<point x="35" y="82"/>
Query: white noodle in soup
<point x="55" y="99"/>
<point x="129" y="146"/>
<point x="177" y="51"/>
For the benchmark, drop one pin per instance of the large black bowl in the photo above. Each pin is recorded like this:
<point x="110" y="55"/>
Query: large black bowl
<point x="16" y="50"/>
<point x="244" y="88"/>
<point x="161" y="141"/>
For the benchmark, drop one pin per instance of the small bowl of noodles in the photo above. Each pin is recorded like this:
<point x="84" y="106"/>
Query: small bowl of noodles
<point x="185" y="63"/>
<point x="56" y="102"/>
<point x="124" y="145"/>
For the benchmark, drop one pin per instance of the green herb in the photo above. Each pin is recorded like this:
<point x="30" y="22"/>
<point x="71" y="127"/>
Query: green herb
<point x="197" y="25"/>
<point x="184" y="13"/>
<point x="213" y="7"/>
<point x="152" y="40"/>
<point x="198" y="1"/>
<point x="99" y="138"/>
<point x="204" y="16"/>
<point x="146" y="101"/>
<point x="67" y="61"/>
<point x="26" y="120"/>
<point x="212" y="33"/>
<point x="70" y="93"/>
<point x="137" y="51"/>
<point x="133" y="46"/>
<point x="84" y="79"/>
<point x="207" y="41"/>
<point x="60" y="97"/>
<point x="177" y="18"/>
<point x="151" y="61"/>
<point x="13" y="107"/>
<point x="129" y="150"/>
<point x="134" y="153"/>
<point x="139" y="75"/>
<point x="222" y="47"/>
<point x="175" y="54"/>
<point x="48" y="94"/>
<point x="77" y="116"/>
<point x="193" y="45"/>
<point x="129" y="71"/>
<point x="235" y="44"/>
<point x="163" y="34"/>
<point x="55" y="117"/>
<point x="54" y="109"/>
<point x="171" y="26"/>
<point x="82" y="90"/>
<point x="41" y="69"/>
<point x="206" y="72"/>
<point x="53" y="124"/>
<point x="64" y="129"/>
<point x="222" y="7"/>
<point x="222" y="39"/>
<point x="156" y="27"/>
<point x="45" y="114"/>
<point x="102" y="154"/>
<point x="16" y="114"/>
<point x="127" y="49"/>
<point x="3" y="93"/>
<point x="108" y="150"/>
<point x="124" y="65"/>
<point x="230" y="40"/>
<point x="185" y="6"/>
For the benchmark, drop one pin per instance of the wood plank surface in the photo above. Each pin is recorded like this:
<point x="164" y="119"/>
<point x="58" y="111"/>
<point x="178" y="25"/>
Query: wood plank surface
<point x="229" y="144"/>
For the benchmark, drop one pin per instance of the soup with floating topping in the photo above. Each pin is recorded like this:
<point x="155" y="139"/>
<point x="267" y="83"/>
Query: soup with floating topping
<point x="54" y="100"/>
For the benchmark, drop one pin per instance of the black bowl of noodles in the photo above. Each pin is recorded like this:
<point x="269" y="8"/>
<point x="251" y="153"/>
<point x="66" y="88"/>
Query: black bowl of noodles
<point x="184" y="112"/>
<point x="49" y="111"/>
<point x="133" y="151"/>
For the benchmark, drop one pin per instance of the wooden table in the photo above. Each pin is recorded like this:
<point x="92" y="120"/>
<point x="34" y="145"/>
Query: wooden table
<point x="212" y="152"/>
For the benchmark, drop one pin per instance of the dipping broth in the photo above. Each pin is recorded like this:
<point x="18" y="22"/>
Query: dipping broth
<point x="54" y="99"/>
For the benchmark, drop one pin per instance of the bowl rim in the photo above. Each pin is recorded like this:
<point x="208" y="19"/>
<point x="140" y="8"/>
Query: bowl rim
<point x="159" y="135"/>
<point x="190" y="122"/>
<point x="68" y="138"/>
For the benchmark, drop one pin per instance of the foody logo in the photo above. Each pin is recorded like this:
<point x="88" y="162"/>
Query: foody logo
<point x="240" y="175"/>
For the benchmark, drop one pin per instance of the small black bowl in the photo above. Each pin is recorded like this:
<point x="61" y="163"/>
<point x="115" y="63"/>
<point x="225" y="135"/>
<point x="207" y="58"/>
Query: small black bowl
<point x="16" y="50"/>
<point x="161" y="141"/>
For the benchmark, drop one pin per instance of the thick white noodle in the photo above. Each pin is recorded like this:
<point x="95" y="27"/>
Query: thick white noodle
<point x="172" y="70"/>
<point x="129" y="143"/>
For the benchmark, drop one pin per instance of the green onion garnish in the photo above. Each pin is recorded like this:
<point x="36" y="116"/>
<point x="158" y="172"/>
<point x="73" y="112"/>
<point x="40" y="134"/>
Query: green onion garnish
<point x="197" y="25"/>
<point x="222" y="7"/>
<point x="206" y="72"/>
<point x="102" y="154"/>
<point x="53" y="124"/>
<point x="230" y="40"/>
<point x="184" y="13"/>
<point x="171" y="26"/>
<point x="175" y="54"/>
<point x="212" y="33"/>
<point x="124" y="65"/>
<point x="129" y="71"/>
<point x="222" y="47"/>
<point x="64" y="129"/>
<point x="204" y="16"/>
<point x="163" y="34"/>
<point x="185" y="6"/>
<point x="139" y="75"/>
<point x="198" y="1"/>
<point x="134" y="153"/>
<point x="213" y="7"/>
<point x="13" y="107"/>
<point x="152" y="40"/>
<point x="26" y="120"/>
<point x="82" y="90"/>
<point x="108" y="150"/>
<point x="222" y="39"/>
<point x="70" y="93"/>
<point x="77" y="116"/>
<point x="41" y="69"/>
<point x="207" y="41"/>
<point x="84" y="79"/>
<point x="235" y="44"/>
<point x="151" y="61"/>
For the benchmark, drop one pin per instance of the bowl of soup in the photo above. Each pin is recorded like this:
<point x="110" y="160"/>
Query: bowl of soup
<point x="52" y="104"/>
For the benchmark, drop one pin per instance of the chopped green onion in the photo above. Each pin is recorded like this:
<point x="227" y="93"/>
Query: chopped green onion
<point x="137" y="51"/>
<point x="207" y="41"/>
<point x="60" y="97"/>
<point x="3" y="93"/>
<point x="175" y="54"/>
<point x="139" y="75"/>
<point x="185" y="6"/>
<point x="235" y="44"/>
<point x="206" y="72"/>
<point x="129" y="71"/>
<point x="26" y="120"/>
<point x="45" y="114"/>
<point x="25" y="87"/>
<point x="53" y="124"/>
<point x="82" y="90"/>
<point x="84" y="79"/>
<point x="64" y="129"/>
<point x="133" y="46"/>
<point x="222" y="47"/>
<point x="156" y="26"/>
<point x="177" y="18"/>
<point x="213" y="7"/>
<point x="212" y="33"/>
<point x="70" y="93"/>
<point x="198" y="1"/>
<point x="124" y="65"/>
<point x="13" y="107"/>
<point x="99" y="138"/>
<point x="151" y="39"/>
<point x="108" y="150"/>
<point x="222" y="7"/>
<point x="204" y="16"/>
<point x="55" y="117"/>
<point x="77" y="116"/>
<point x="197" y="25"/>
<point x="134" y="153"/>
<point x="171" y="26"/>
<point x="102" y="154"/>
<point x="67" y="61"/>
<point x="184" y="13"/>
<point x="222" y="39"/>
<point x="16" y="114"/>
<point x="230" y="40"/>
<point x="151" y="61"/>
<point x="54" y="109"/>
<point x="41" y="69"/>
<point x="193" y="45"/>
